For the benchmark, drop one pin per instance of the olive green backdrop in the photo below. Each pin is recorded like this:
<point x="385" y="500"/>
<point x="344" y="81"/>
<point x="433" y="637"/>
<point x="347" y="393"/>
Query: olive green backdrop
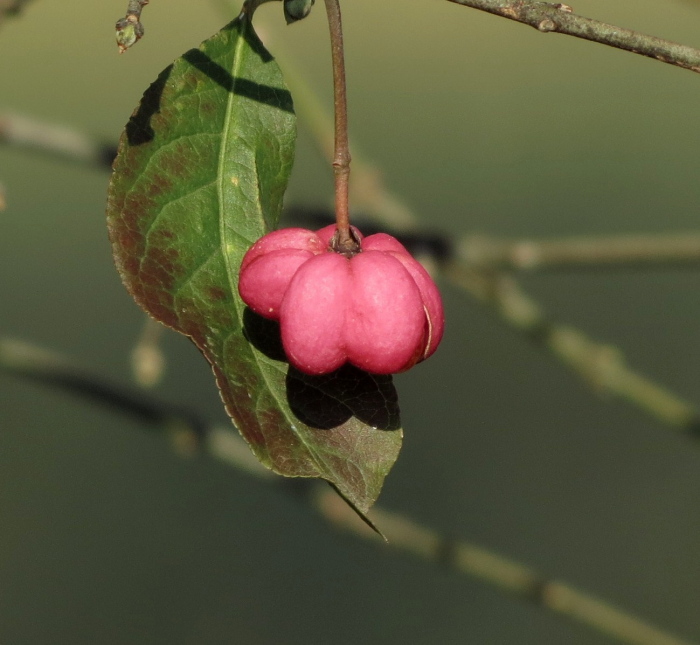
<point x="482" y="125"/>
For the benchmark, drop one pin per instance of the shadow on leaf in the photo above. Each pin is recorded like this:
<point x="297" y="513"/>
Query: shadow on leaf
<point x="139" y="130"/>
<point x="272" y="96"/>
<point x="330" y="400"/>
<point x="263" y="334"/>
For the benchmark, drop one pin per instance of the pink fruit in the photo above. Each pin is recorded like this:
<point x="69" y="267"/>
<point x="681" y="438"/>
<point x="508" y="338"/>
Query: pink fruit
<point x="378" y="310"/>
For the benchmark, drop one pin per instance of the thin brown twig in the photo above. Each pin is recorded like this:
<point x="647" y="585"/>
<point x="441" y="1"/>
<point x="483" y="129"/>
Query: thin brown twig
<point x="559" y="17"/>
<point x="341" y="153"/>
<point x="189" y="432"/>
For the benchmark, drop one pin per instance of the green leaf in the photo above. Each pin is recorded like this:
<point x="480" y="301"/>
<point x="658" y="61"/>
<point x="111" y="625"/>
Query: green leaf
<point x="201" y="172"/>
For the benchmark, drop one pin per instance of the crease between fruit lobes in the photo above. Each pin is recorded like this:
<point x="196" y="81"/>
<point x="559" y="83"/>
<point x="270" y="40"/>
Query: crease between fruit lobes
<point x="378" y="310"/>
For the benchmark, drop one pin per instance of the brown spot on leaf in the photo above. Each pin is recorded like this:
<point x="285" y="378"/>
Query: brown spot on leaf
<point x="160" y="269"/>
<point x="208" y="108"/>
<point x="217" y="293"/>
<point x="158" y="185"/>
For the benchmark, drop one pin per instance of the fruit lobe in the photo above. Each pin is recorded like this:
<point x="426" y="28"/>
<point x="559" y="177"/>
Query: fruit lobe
<point x="378" y="310"/>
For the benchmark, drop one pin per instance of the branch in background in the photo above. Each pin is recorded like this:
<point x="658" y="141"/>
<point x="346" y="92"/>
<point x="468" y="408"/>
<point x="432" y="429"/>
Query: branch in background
<point x="190" y="432"/>
<point x="601" y="366"/>
<point x="559" y="17"/>
<point x="486" y="253"/>
<point x="476" y="251"/>
<point x="129" y="28"/>
<point x="56" y="140"/>
<point x="49" y="368"/>
<point x="11" y="8"/>
<point x="147" y="357"/>
<point x="620" y="251"/>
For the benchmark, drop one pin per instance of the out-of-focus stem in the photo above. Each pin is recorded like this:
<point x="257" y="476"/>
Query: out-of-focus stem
<point x="56" y="140"/>
<point x="590" y="252"/>
<point x="9" y="8"/>
<point x="147" y="357"/>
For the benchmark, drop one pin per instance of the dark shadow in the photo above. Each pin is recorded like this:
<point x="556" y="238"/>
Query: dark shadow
<point x="327" y="401"/>
<point x="272" y="96"/>
<point x="138" y="129"/>
<point x="245" y="28"/>
<point x="263" y="334"/>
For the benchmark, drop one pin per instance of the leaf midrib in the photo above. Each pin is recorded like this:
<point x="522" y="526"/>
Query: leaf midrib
<point x="238" y="56"/>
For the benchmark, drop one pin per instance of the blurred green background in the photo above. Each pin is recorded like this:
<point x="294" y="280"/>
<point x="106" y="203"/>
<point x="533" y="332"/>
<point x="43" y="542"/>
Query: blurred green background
<point x="481" y="125"/>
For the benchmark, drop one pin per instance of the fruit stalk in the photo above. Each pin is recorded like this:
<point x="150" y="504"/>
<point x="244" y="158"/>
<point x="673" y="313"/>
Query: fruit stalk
<point x="341" y="157"/>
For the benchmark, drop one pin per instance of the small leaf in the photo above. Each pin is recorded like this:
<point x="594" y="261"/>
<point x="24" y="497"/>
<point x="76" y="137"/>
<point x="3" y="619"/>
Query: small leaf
<point x="200" y="176"/>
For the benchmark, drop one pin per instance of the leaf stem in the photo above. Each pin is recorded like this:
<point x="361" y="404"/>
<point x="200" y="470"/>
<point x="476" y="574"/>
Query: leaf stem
<point x="341" y="156"/>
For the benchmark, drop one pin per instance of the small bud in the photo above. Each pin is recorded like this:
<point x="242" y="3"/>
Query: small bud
<point x="129" y="32"/>
<point x="297" y="9"/>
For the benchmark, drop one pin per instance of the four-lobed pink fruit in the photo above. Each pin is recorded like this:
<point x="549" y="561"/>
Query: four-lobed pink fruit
<point x="378" y="310"/>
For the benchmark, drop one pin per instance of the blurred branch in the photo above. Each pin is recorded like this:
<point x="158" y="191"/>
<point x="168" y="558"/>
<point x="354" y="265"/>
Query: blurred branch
<point x="49" y="368"/>
<point x="129" y="28"/>
<point x="559" y="17"/>
<point x="147" y="357"/>
<point x="489" y="254"/>
<point x="11" y="8"/>
<point x="56" y="140"/>
<point x="601" y="366"/>
<point x="625" y="251"/>
<point x="190" y="432"/>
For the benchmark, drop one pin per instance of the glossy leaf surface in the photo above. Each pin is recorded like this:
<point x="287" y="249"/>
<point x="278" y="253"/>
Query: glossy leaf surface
<point x="200" y="176"/>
